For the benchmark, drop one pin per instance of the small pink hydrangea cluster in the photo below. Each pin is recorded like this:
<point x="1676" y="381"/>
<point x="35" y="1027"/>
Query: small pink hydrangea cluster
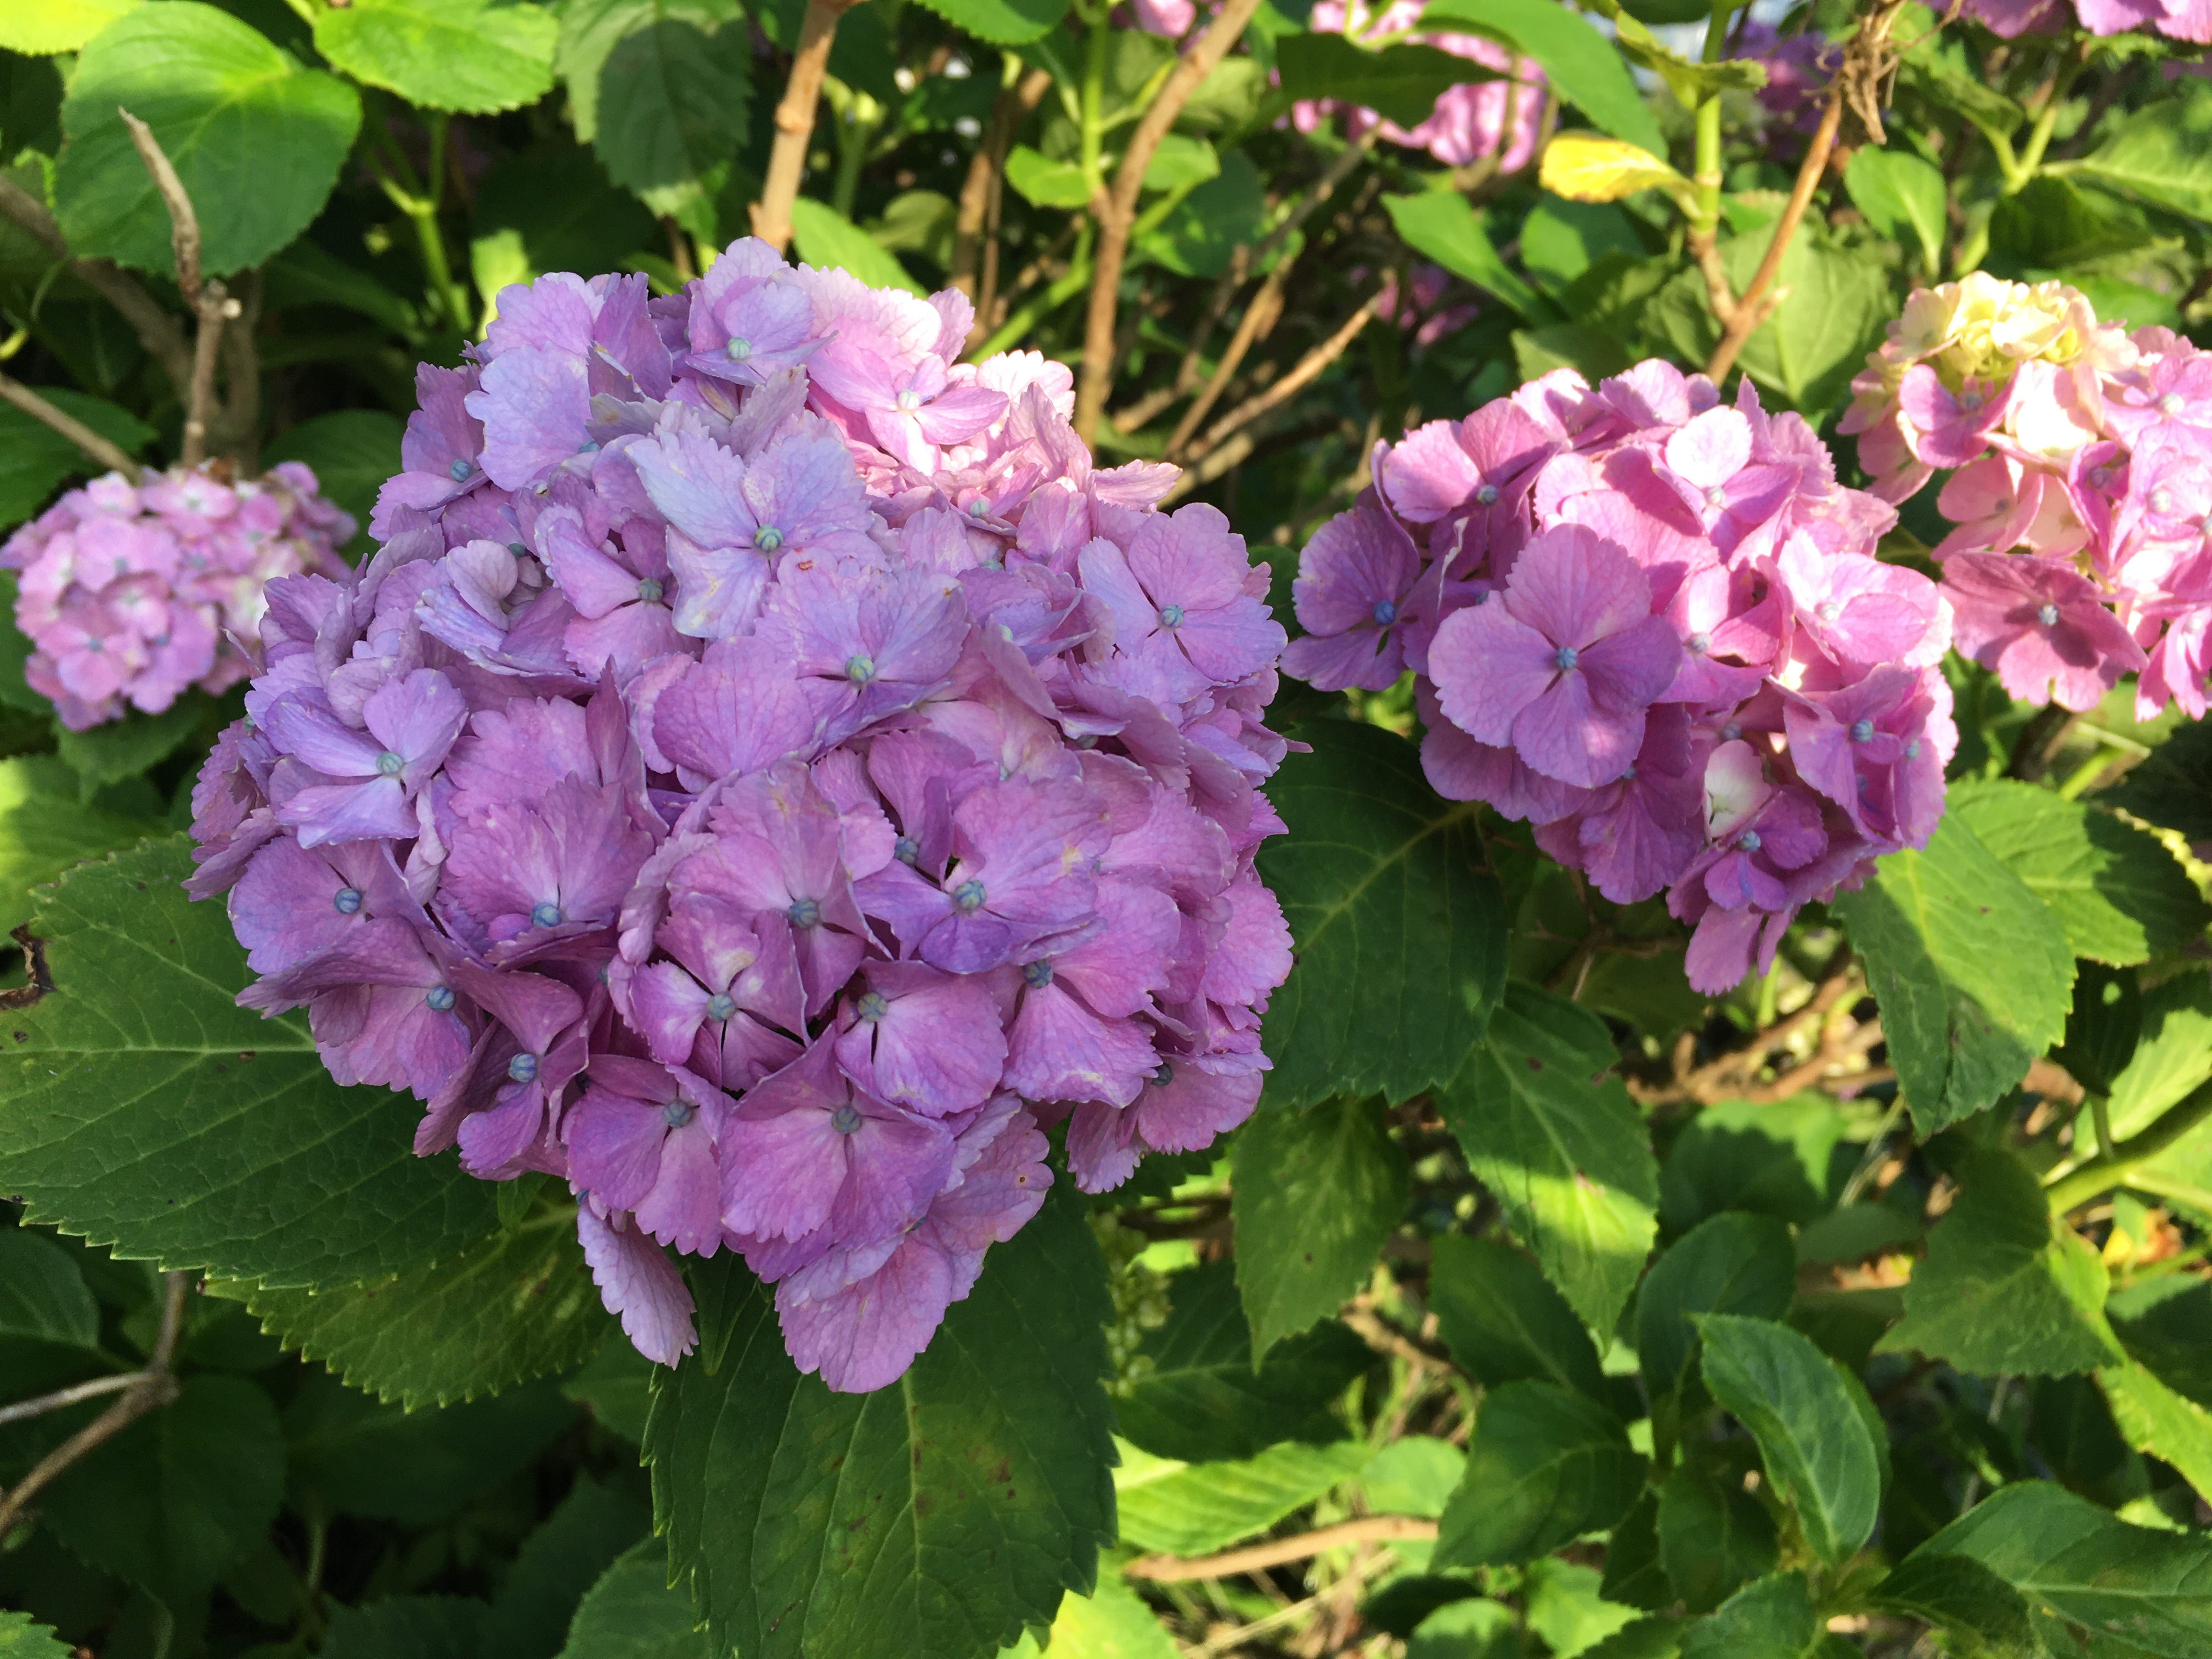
<point x="1469" y="121"/>
<point x="1651" y="625"/>
<point x="2079" y="463"/>
<point x="2177" y="20"/>
<point x="766" y="778"/>
<point x="133" y="593"/>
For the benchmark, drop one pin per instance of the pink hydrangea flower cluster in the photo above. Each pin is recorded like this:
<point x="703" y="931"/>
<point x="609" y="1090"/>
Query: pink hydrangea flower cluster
<point x="131" y="592"/>
<point x="2177" y="20"/>
<point x="766" y="778"/>
<point x="2079" y="485"/>
<point x="1652" y="626"/>
<point x="1469" y="121"/>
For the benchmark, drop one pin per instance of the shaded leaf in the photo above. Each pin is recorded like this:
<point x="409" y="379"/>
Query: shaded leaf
<point x="1002" y="22"/>
<point x="1730" y="1263"/>
<point x="659" y="89"/>
<point x="1399" y="82"/>
<point x="1962" y="1595"/>
<point x="633" y="1613"/>
<point x="1503" y="1320"/>
<point x="1714" y="1536"/>
<point x="34" y="458"/>
<point x="42" y="1293"/>
<point x="1196" y="1509"/>
<point x="558" y="1562"/>
<point x="116" y="749"/>
<point x="1770" y="1160"/>
<point x="408" y="1627"/>
<point x="45" y="829"/>
<point x="2171" y="786"/>
<point x="2153" y="1419"/>
<point x="1546" y="1464"/>
<point x="469" y="56"/>
<point x="1772" y="1618"/>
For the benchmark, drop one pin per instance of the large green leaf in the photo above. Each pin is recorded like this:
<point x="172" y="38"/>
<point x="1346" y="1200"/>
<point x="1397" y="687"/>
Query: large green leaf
<point x="255" y="138"/>
<point x="117" y="750"/>
<point x="1002" y="22"/>
<point x="1399" y="82"/>
<point x="1504" y="1321"/>
<point x="516" y="1304"/>
<point x="2162" y="152"/>
<point x="1770" y="1160"/>
<point x="1556" y="1139"/>
<point x="2005" y="1291"/>
<point x="2115" y="889"/>
<point x="1314" y="1195"/>
<point x="141" y="1107"/>
<point x="2153" y="1419"/>
<point x="2171" y="786"/>
<point x="1961" y="1595"/>
<point x="409" y="1627"/>
<point x="1836" y="305"/>
<point x="1772" y="1618"/>
<point x="659" y="89"/>
<point x="1714" y="1536"/>
<point x="181" y="1494"/>
<point x="1972" y="973"/>
<point x="1582" y="65"/>
<point x="1199" y="1397"/>
<point x="42" y="27"/>
<point x="1400" y="936"/>
<point x="2074" y="1564"/>
<point x="359" y="1456"/>
<point x="2167" y="1326"/>
<point x="633" y="1613"/>
<point x="42" y="1294"/>
<point x="1817" y="1447"/>
<point x="1902" y="197"/>
<point x="20" y="1637"/>
<point x="1195" y="1509"/>
<point x="1441" y="224"/>
<point x="930" y="1520"/>
<point x="1545" y="1465"/>
<point x="470" y="56"/>
<point x="1730" y="1263"/>
<point x="34" y="458"/>
<point x="45" y="829"/>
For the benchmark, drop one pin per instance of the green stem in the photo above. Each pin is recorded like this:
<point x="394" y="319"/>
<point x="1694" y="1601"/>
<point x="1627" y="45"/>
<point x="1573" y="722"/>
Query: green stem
<point x="2086" y="774"/>
<point x="1707" y="174"/>
<point x="2100" y="1114"/>
<point x="2038" y="138"/>
<point x="397" y="180"/>
<point x="2115" y="1167"/>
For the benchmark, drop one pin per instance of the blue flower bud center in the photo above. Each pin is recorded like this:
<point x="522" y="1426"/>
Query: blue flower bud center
<point x="650" y="591"/>
<point x="907" y="850"/>
<point x="1700" y="644"/>
<point x="347" y="901"/>
<point x="804" y="913"/>
<point x="1716" y="496"/>
<point x="1164" y="1076"/>
<point x="439" y="999"/>
<point x="859" y="670"/>
<point x="909" y="400"/>
<point x="1037" y="974"/>
<point x="588" y="449"/>
<point x="979" y="508"/>
<point x="518" y="550"/>
<point x="739" y="348"/>
<point x="1830" y="610"/>
<point x="872" y="1006"/>
<point x="1912" y="750"/>
<point x="1171" y="616"/>
<point x="1861" y="731"/>
<point x="1385" y="613"/>
<point x="1485" y="495"/>
<point x="1748" y="840"/>
<point x="768" y="538"/>
<point x="2161" y="500"/>
<point x="523" y="1068"/>
<point x="1731" y="731"/>
<point x="2048" y="616"/>
<point x="845" y="1120"/>
<point x="1970" y="401"/>
<point x="459" y="470"/>
<point x="390" y="764"/>
<point x="546" y="915"/>
<point x="675" y="1114"/>
<point x="721" y="1006"/>
<point x="968" y="895"/>
<point x="1565" y="658"/>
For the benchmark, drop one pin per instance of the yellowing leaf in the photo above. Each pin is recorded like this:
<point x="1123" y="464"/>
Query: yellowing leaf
<point x="1585" y="168"/>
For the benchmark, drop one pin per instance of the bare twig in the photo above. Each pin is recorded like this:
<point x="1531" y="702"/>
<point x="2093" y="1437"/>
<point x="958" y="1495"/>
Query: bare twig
<point x="39" y="1405"/>
<point x="209" y="300"/>
<point x="795" y="121"/>
<point x="150" y="1388"/>
<point x="1386" y="1338"/>
<point x="1303" y="375"/>
<point x="1167" y="1569"/>
<point x="1116" y="213"/>
<point x="976" y="219"/>
<point x="108" y="454"/>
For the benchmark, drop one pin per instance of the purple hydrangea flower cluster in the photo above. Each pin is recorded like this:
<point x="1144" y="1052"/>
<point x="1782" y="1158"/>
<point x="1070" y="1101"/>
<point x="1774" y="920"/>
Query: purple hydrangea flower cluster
<point x="2177" y="20"/>
<point x="1470" y="121"/>
<point x="133" y="593"/>
<point x="1652" y="626"/>
<point x="766" y="777"/>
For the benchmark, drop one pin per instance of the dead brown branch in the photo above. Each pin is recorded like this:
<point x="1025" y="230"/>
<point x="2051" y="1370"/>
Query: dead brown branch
<point x="976" y="224"/>
<point x="211" y="300"/>
<point x="103" y="450"/>
<point x="1374" y="1528"/>
<point x="795" y="121"/>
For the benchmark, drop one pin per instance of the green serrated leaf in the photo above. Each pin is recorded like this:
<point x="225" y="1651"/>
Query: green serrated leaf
<point x="1400" y="937"/>
<point x="1556" y="1139"/>
<point x="1503" y="1320"/>
<point x="469" y="56"/>
<point x="42" y="1293"/>
<point x="120" y="749"/>
<point x="45" y="829"/>
<point x="1730" y="1263"/>
<point x="1580" y="63"/>
<point x="1646" y="1638"/>
<point x="1545" y="1465"/>
<point x="409" y="1627"/>
<point x="2116" y="890"/>
<point x="502" y="1310"/>
<point x="1714" y="1536"/>
<point x="2153" y="1419"/>
<point x="1195" y="1509"/>
<point x="1815" y="1445"/>
<point x="2172" y="1334"/>
<point x="1201" y="1398"/>
<point x="1444" y="226"/>
<point x="1963" y="1596"/>
<point x="1769" y="1159"/>
<point x="1399" y="82"/>
<point x="2076" y="1564"/>
<point x="2103" y="1026"/>
<point x="21" y="1637"/>
<point x="34" y="458"/>
<point x="359" y="1456"/>
<point x="1002" y="22"/>
<point x="1772" y="1618"/>
<point x="43" y="27"/>
<point x="1903" y="197"/>
<point x="1313" y="1195"/>
<point x="256" y="139"/>
<point x="633" y="1613"/>
<point x="2161" y="153"/>
<point x="2005" y="1289"/>
<point x="2172" y="1055"/>
<point x="141" y="1107"/>
<point x="1972" y="973"/>
<point x="930" y="1520"/>
<point x="175" y="1498"/>
<point x="2173" y="786"/>
<point x="616" y="1387"/>
<point x="659" y="89"/>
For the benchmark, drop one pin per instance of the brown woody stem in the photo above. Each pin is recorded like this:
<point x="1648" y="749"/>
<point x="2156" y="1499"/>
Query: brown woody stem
<point x="795" y="121"/>
<point x="108" y="454"/>
<point x="211" y="300"/>
<point x="1753" y="306"/>
<point x="1375" y="1529"/>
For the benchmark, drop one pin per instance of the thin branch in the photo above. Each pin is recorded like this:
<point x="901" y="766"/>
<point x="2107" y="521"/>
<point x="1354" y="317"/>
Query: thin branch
<point x="795" y="121"/>
<point x="2069" y="1189"/>
<point x="153" y="1388"/>
<point x="1386" y="1338"/>
<point x="1309" y="368"/>
<point x="980" y="192"/>
<point x="1116" y="214"/>
<point x="39" y="1405"/>
<point x="1375" y="1529"/>
<point x="209" y="300"/>
<point x="1756" y="303"/>
<point x="104" y="450"/>
<point x="156" y="329"/>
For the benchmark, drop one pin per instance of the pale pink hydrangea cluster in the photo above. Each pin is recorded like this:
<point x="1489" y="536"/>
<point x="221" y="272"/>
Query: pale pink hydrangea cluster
<point x="1469" y="121"/>
<point x="131" y="592"/>
<point x="1653" y="626"/>
<point x="2177" y="20"/>
<point x="2079" y="484"/>
<point x="766" y="778"/>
